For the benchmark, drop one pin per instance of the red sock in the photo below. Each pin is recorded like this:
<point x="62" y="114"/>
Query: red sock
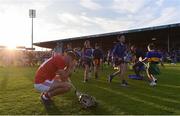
<point x="47" y="95"/>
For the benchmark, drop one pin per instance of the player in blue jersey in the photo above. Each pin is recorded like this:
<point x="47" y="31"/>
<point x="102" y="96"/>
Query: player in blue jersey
<point x="87" y="59"/>
<point x="138" y="66"/>
<point x="68" y="48"/>
<point x="119" y="55"/>
<point x="97" y="59"/>
<point x="153" y="58"/>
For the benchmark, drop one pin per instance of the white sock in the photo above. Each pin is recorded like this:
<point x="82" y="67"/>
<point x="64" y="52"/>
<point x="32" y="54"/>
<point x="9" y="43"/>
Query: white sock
<point x="44" y="97"/>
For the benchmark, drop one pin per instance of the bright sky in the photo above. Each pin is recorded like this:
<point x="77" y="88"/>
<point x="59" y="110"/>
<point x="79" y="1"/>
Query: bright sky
<point x="59" y="19"/>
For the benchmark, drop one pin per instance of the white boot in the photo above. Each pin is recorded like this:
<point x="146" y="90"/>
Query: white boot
<point x="152" y="83"/>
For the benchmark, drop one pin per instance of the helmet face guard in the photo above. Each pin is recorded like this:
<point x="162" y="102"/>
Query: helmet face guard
<point x="86" y="100"/>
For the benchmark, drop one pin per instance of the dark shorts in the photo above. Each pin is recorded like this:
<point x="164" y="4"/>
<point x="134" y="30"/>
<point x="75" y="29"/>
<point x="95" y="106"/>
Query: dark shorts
<point x="118" y="61"/>
<point x="87" y="61"/>
<point x="96" y="62"/>
<point x="139" y="65"/>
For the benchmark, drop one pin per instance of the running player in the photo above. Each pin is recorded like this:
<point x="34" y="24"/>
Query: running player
<point x="87" y="55"/>
<point x="68" y="48"/>
<point x="138" y="55"/>
<point x="119" y="54"/>
<point x="153" y="58"/>
<point x="97" y="59"/>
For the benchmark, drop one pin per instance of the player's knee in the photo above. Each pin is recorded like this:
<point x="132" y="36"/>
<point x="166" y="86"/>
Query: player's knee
<point x="122" y="73"/>
<point x="67" y="87"/>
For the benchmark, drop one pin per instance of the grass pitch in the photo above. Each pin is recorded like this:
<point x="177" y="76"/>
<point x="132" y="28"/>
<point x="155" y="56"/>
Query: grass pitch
<point x="17" y="95"/>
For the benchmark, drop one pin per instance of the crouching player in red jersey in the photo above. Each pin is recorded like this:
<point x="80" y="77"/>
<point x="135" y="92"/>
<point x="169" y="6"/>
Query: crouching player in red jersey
<point x="51" y="78"/>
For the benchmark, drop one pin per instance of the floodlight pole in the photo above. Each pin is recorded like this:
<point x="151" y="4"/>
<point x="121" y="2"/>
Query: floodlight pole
<point x="32" y="14"/>
<point x="32" y="35"/>
<point x="168" y="40"/>
<point x="168" y="44"/>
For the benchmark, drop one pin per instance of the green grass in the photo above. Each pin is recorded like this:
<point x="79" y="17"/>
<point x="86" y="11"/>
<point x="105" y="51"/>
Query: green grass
<point x="17" y="95"/>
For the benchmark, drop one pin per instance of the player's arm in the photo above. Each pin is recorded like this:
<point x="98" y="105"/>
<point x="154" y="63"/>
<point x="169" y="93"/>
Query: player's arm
<point x="66" y="72"/>
<point x="63" y="75"/>
<point x="146" y="57"/>
<point x="144" y="60"/>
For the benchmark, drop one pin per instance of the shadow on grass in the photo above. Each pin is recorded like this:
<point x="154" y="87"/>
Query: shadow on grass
<point x="168" y="110"/>
<point x="3" y="83"/>
<point x="51" y="108"/>
<point x="69" y="105"/>
<point x="160" y="87"/>
<point x="99" y="109"/>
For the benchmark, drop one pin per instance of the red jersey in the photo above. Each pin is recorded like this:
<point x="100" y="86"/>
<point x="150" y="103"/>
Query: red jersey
<point x="47" y="70"/>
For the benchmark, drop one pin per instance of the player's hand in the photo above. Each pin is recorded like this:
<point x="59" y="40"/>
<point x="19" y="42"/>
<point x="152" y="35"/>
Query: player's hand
<point x="64" y="79"/>
<point x="62" y="73"/>
<point x="58" y="77"/>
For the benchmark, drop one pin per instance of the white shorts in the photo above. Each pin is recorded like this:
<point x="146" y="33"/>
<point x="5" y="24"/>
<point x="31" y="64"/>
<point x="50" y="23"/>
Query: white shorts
<point x="43" y="87"/>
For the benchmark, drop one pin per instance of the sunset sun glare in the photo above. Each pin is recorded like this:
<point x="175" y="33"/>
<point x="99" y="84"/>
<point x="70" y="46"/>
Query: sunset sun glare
<point x="11" y="46"/>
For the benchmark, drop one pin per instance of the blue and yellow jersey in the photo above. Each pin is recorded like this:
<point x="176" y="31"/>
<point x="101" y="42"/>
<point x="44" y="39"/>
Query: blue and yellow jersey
<point x="153" y="56"/>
